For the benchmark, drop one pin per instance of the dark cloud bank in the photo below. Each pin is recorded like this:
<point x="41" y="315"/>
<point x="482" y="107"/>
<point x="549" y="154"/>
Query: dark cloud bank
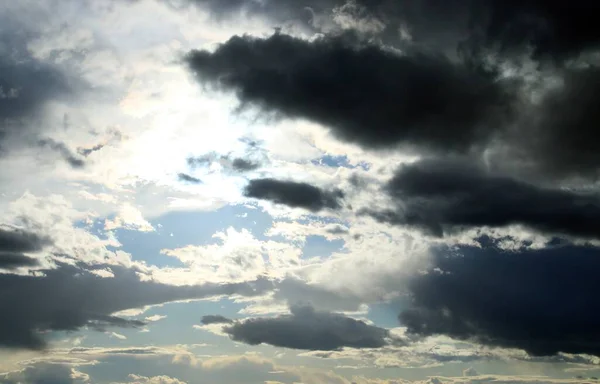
<point x="306" y="328"/>
<point x="445" y="196"/>
<point x="553" y="29"/>
<point x="542" y="301"/>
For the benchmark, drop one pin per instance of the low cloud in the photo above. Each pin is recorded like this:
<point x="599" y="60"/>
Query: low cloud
<point x="367" y="95"/>
<point x="442" y="196"/>
<point x="63" y="151"/>
<point x="14" y="243"/>
<point x="215" y="319"/>
<point x="188" y="178"/>
<point x="294" y="194"/>
<point x="309" y="329"/>
<point x="243" y="165"/>
<point x="69" y="298"/>
<point x="542" y="301"/>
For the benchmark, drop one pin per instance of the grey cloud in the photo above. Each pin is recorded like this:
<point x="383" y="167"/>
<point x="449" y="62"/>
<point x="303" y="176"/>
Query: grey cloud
<point x="69" y="298"/>
<point x="296" y="292"/>
<point x="432" y="99"/>
<point x="542" y="301"/>
<point x="27" y="84"/>
<point x="308" y="329"/>
<point x="215" y="319"/>
<point x="11" y="260"/>
<point x="226" y="161"/>
<point x="443" y="195"/>
<point x="188" y="178"/>
<point x="44" y="373"/>
<point x="15" y="242"/>
<point x="337" y="229"/>
<point x="294" y="194"/>
<point x="558" y="137"/>
<point x="368" y="95"/>
<point x="244" y="165"/>
<point x="64" y="151"/>
<point x="85" y="152"/>
<point x="553" y="29"/>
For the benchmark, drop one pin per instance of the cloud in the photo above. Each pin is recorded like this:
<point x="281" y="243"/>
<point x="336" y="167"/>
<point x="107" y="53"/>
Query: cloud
<point x="64" y="151"/>
<point x="443" y="196"/>
<point x="294" y="194"/>
<point x="550" y="29"/>
<point x="542" y="301"/>
<point x="28" y="85"/>
<point x="243" y="165"/>
<point x="308" y="329"/>
<point x="227" y="161"/>
<point x="137" y="379"/>
<point x="366" y="94"/>
<point x="15" y="242"/>
<point x="189" y="179"/>
<point x="47" y="373"/>
<point x="69" y="298"/>
<point x="557" y="137"/>
<point x="215" y="319"/>
<point x="85" y="152"/>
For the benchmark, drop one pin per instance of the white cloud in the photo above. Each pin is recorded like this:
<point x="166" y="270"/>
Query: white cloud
<point x="129" y="217"/>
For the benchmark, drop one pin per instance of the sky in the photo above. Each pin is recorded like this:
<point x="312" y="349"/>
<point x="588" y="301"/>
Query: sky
<point x="299" y="192"/>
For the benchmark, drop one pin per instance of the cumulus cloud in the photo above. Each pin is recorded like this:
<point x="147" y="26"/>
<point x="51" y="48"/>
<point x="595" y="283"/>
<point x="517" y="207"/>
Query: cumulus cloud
<point x="294" y="194"/>
<point x="306" y="328"/>
<point x="537" y="300"/>
<point x="69" y="298"/>
<point x="443" y="196"/>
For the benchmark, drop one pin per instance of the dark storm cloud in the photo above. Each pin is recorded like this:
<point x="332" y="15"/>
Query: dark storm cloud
<point x="294" y="194"/>
<point x="442" y="196"/>
<point x="189" y="179"/>
<point x="69" y="298"/>
<point x="215" y="319"/>
<point x="367" y="95"/>
<point x="63" y="151"/>
<point x="554" y="29"/>
<point x="14" y="243"/>
<point x="308" y="329"/>
<point x="559" y="137"/>
<point x="542" y="301"/>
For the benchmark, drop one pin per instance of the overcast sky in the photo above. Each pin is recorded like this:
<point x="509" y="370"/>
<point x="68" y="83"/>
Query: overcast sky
<point x="299" y="191"/>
